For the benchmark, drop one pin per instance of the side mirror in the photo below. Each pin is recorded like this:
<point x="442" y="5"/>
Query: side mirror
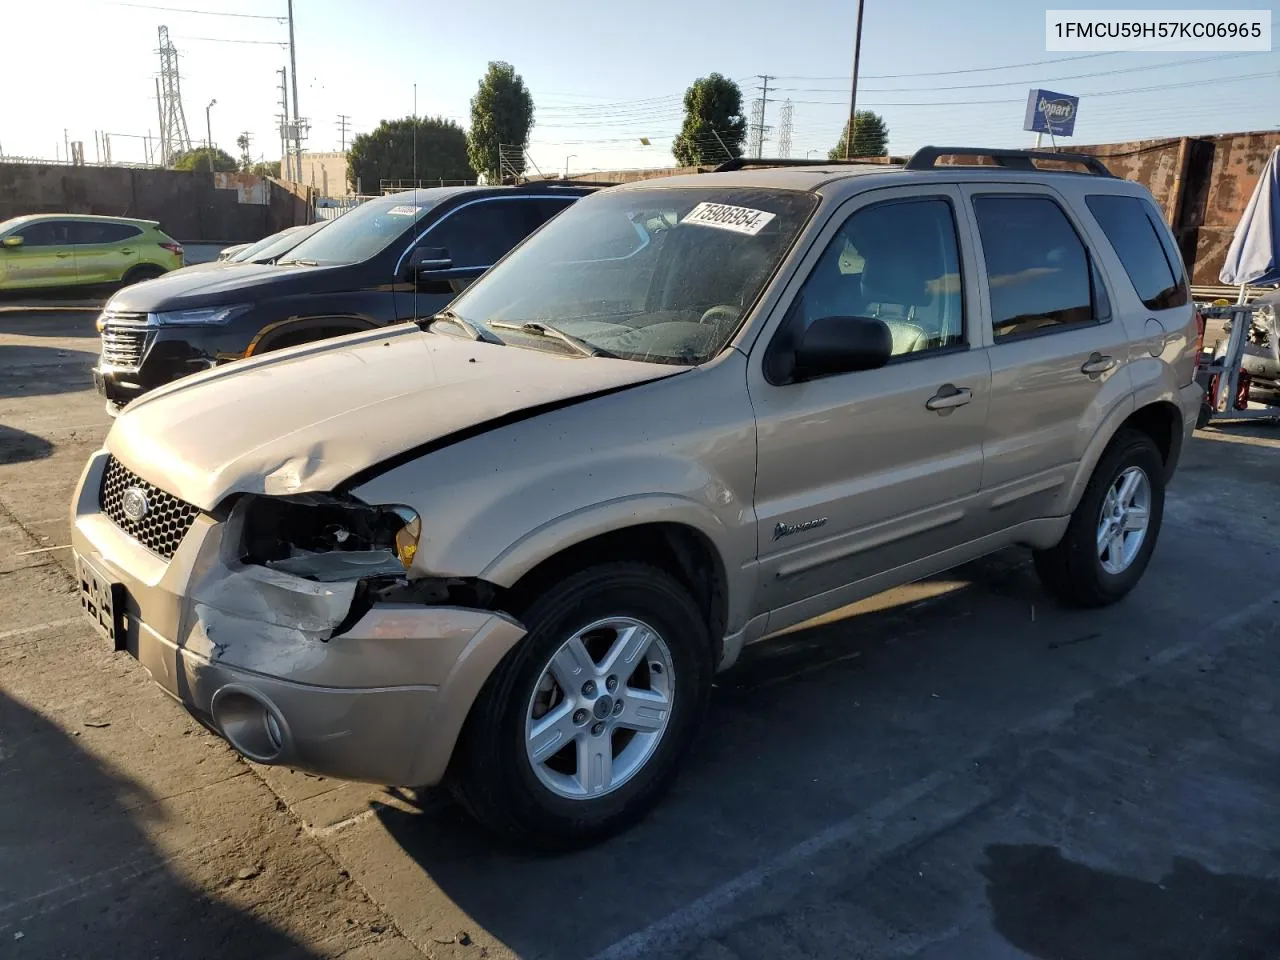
<point x="842" y="345"/>
<point x="424" y="261"/>
<point x="12" y="242"/>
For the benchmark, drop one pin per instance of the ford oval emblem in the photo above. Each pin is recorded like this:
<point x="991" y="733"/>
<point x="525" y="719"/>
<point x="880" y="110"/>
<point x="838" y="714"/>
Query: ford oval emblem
<point x="134" y="503"/>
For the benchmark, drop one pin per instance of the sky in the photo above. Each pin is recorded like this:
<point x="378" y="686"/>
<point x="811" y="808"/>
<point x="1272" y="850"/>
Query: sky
<point x="603" y="75"/>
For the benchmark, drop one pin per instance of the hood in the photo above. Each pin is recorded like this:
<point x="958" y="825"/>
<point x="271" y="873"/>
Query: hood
<point x="222" y="283"/>
<point x="307" y="418"/>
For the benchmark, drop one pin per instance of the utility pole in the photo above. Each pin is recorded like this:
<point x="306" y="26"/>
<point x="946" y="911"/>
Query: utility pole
<point x="286" y="167"/>
<point x="344" y="121"/>
<point x="293" y="67"/>
<point x="764" y="106"/>
<point x="853" y="92"/>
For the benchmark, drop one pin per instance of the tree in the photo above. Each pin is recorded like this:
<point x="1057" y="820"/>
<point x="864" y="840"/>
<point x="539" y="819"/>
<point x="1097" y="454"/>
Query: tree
<point x="714" y="126"/>
<point x="387" y="153"/>
<point x="242" y="142"/>
<point x="501" y="118"/>
<point x="199" y="160"/>
<point x="266" y="168"/>
<point x="870" y="137"/>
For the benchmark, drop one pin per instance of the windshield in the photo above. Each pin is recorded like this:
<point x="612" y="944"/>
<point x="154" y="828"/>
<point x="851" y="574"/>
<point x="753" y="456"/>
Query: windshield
<point x="367" y="230"/>
<point x="278" y="245"/>
<point x="661" y="275"/>
<point x="240" y="256"/>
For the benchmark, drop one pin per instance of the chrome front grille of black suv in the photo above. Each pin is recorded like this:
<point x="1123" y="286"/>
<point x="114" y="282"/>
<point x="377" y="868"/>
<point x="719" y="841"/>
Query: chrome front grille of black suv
<point x="124" y="339"/>
<point x="160" y="520"/>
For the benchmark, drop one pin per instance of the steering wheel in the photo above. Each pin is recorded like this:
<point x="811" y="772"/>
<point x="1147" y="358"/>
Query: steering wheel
<point x="721" y="312"/>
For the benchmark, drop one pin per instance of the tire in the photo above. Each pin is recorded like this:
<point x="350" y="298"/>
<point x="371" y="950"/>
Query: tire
<point x="1075" y="571"/>
<point x="1204" y="416"/>
<point x="493" y="774"/>
<point x="144" y="271"/>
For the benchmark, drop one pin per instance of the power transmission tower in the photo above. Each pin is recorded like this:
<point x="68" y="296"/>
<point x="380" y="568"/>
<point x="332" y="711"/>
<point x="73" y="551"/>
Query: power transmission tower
<point x="784" y="130"/>
<point x="174" y="137"/>
<point x="758" y="110"/>
<point x="344" y="122"/>
<point x="755" y="128"/>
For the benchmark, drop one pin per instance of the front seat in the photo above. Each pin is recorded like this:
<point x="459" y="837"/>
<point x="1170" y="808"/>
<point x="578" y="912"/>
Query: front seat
<point x="892" y="277"/>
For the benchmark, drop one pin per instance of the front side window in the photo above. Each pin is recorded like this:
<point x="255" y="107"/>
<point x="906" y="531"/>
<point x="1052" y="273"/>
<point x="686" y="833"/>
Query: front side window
<point x="480" y="233"/>
<point x="1143" y="246"/>
<point x="46" y="233"/>
<point x="665" y="275"/>
<point x="898" y="262"/>
<point x="1038" y="270"/>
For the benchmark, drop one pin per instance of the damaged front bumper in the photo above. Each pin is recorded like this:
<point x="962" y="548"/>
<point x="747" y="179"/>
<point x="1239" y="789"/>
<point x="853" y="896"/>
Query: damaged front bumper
<point x="251" y="652"/>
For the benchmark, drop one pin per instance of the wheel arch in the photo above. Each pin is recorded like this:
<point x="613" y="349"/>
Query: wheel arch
<point x="1160" y="419"/>
<point x="677" y="546"/>
<point x="293" y="331"/>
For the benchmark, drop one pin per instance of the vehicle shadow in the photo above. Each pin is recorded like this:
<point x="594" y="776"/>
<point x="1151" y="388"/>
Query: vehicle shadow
<point x="1056" y="909"/>
<point x="18" y="446"/>
<point x="749" y="790"/>
<point x="30" y="320"/>
<point x="141" y="906"/>
<point x="27" y="371"/>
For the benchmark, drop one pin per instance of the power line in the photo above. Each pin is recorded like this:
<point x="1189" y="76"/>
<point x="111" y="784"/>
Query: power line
<point x="274" y="43"/>
<point x="205" y="13"/>
<point x="1018" y="83"/>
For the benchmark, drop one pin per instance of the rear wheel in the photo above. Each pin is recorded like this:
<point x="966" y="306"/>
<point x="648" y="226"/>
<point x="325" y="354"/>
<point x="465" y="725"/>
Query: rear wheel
<point x="1113" y="530"/>
<point x="580" y="730"/>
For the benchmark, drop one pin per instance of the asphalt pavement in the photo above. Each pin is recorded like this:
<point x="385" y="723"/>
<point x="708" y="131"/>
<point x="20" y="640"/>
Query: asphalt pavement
<point x="958" y="769"/>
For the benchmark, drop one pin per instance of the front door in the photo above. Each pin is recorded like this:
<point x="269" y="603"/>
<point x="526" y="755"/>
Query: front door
<point x="862" y="472"/>
<point x="1057" y="354"/>
<point x="44" y="259"/>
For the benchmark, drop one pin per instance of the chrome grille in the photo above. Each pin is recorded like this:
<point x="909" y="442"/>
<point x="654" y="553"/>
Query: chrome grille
<point x="124" y="339"/>
<point x="166" y="520"/>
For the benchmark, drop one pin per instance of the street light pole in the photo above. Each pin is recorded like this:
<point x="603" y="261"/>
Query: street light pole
<point x="208" y="134"/>
<point x="853" y="92"/>
<point x="566" y="164"/>
<point x="807" y="152"/>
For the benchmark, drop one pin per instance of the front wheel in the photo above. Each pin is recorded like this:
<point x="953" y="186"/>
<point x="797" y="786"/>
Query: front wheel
<point x="1113" y="530"/>
<point x="144" y="271"/>
<point x="581" y="728"/>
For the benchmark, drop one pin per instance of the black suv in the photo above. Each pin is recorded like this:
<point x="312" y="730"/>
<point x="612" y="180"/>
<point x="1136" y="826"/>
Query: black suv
<point x="390" y="259"/>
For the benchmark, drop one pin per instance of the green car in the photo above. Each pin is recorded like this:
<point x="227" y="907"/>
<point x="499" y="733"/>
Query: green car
<point x="62" y="250"/>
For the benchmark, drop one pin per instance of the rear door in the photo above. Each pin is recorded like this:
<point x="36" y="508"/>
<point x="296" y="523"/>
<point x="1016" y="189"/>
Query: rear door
<point x="863" y="472"/>
<point x="474" y="236"/>
<point x="1057" y="353"/>
<point x="104" y="252"/>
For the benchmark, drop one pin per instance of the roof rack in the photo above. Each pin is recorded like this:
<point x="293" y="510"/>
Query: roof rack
<point x="741" y="163"/>
<point x="926" y="158"/>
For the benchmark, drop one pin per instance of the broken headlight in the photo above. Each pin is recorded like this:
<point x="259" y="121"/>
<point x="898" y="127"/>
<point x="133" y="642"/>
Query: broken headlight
<point x="326" y="538"/>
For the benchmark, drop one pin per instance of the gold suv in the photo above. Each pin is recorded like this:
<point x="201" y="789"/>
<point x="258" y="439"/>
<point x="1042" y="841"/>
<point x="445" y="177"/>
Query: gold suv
<point x="506" y="547"/>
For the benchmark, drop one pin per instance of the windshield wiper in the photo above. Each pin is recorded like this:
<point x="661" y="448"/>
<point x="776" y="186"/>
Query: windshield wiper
<point x="300" y="263"/>
<point x="449" y="316"/>
<point x="543" y="330"/>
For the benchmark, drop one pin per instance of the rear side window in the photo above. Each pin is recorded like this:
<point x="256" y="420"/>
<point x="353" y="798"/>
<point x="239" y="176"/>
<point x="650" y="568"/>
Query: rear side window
<point x="1144" y="247"/>
<point x="1038" y="269"/>
<point x="86" y="231"/>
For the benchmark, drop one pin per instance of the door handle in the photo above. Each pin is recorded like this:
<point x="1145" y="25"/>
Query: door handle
<point x="63" y="255"/>
<point x="1097" y="364"/>
<point x="128" y="252"/>
<point x="948" y="397"/>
